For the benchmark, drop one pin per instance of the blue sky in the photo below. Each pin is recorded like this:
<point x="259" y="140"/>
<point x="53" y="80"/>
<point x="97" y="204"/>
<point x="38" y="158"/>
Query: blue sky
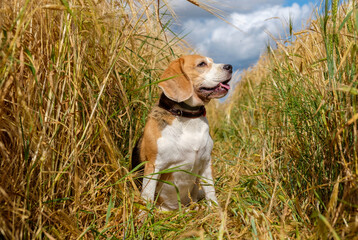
<point x="255" y="19"/>
<point x="300" y="2"/>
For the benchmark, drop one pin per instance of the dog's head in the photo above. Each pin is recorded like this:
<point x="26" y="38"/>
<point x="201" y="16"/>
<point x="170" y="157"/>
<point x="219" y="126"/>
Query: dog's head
<point x="195" y="79"/>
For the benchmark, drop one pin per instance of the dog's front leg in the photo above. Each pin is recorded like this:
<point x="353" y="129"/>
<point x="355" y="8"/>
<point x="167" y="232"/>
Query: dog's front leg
<point x="150" y="182"/>
<point x="207" y="183"/>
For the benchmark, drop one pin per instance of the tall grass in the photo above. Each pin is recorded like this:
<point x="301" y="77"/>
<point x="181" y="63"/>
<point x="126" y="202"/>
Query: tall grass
<point x="296" y="110"/>
<point x="76" y="83"/>
<point x="77" y="79"/>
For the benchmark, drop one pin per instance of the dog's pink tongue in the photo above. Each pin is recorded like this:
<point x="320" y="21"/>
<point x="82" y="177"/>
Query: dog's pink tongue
<point x="226" y="86"/>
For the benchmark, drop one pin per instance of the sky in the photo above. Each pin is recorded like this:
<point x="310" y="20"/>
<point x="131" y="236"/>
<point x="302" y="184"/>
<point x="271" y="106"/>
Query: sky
<point x="254" y="19"/>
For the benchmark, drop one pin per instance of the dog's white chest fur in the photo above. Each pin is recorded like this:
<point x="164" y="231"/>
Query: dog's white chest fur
<point x="186" y="141"/>
<point x="185" y="144"/>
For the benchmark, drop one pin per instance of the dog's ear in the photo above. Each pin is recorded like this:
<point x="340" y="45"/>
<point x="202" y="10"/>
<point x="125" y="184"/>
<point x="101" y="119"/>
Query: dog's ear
<point x="179" y="87"/>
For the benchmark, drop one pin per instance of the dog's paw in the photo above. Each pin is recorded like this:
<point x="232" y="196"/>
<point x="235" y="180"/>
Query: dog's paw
<point x="142" y="215"/>
<point x="212" y="202"/>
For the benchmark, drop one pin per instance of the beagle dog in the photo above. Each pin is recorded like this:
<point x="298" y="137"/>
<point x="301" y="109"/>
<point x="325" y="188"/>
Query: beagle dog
<point x="176" y="144"/>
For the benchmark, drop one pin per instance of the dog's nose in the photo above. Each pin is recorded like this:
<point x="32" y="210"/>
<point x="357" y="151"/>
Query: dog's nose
<point x="228" y="67"/>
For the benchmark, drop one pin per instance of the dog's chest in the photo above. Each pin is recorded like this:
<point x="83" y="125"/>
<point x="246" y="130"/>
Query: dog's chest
<point x="185" y="141"/>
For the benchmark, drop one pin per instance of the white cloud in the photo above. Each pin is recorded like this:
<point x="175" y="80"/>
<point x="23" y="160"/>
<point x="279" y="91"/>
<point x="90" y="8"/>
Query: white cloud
<point x="224" y="43"/>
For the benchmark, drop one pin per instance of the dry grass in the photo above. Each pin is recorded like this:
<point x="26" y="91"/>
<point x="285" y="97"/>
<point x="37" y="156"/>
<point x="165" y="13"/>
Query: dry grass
<point x="77" y="80"/>
<point x="74" y="77"/>
<point x="296" y="111"/>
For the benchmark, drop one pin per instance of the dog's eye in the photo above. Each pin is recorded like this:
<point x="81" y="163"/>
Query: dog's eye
<point x="202" y="64"/>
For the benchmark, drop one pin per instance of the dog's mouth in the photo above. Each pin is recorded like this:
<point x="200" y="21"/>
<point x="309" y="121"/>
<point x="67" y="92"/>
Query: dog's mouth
<point x="219" y="90"/>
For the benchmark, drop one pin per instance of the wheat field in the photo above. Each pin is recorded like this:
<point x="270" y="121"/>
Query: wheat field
<point x="77" y="79"/>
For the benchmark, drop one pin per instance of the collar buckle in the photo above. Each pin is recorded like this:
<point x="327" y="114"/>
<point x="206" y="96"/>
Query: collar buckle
<point x="179" y="112"/>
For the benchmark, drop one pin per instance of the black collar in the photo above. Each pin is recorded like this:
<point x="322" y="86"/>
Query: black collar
<point x="181" y="109"/>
